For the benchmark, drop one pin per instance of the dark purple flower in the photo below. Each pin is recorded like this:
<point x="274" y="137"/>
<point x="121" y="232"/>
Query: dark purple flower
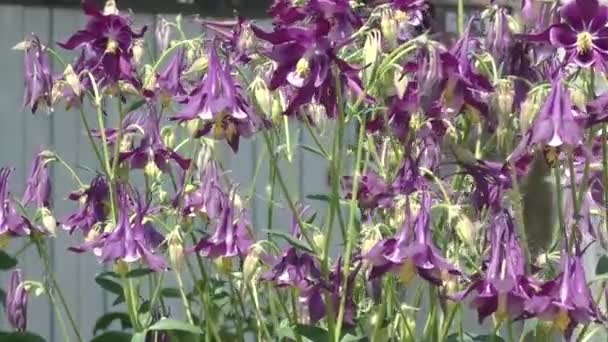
<point x="499" y="39"/>
<point x="38" y="184"/>
<point x="411" y="254"/>
<point x="306" y="58"/>
<point x="504" y="289"/>
<point x="38" y="78"/>
<point x="582" y="33"/>
<point x="208" y="197"/>
<point x="236" y="36"/>
<point x="230" y="238"/>
<point x="558" y="122"/>
<point x="168" y="82"/>
<point x="109" y="39"/>
<point x="373" y="191"/>
<point x="398" y="115"/>
<point x="94" y="207"/>
<point x="492" y="180"/>
<point x="343" y="19"/>
<point x="16" y="302"/>
<point x="565" y="300"/>
<point x="285" y="12"/>
<point x="221" y="104"/>
<point x="408" y="178"/>
<point x="597" y="110"/>
<point x="151" y="147"/>
<point x="127" y="241"/>
<point x="10" y="222"/>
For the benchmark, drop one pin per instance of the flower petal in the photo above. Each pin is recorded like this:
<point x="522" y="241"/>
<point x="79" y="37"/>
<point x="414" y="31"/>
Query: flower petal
<point x="562" y="35"/>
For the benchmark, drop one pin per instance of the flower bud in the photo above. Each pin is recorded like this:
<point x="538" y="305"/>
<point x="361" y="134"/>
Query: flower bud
<point x="5" y="241"/>
<point x="193" y="126"/>
<point x="319" y="239"/>
<point x="48" y="221"/>
<point x="276" y="113"/>
<point x="578" y="97"/>
<point x="110" y="8"/>
<point x="371" y="50"/>
<point x="176" y="252"/>
<point x="151" y="170"/>
<point x="168" y="136"/>
<point x="121" y="267"/>
<point x="389" y="28"/>
<point x="127" y="88"/>
<point x="138" y="50"/>
<point x="72" y="80"/>
<point x="199" y="65"/>
<point x="503" y="98"/>
<point x="263" y="97"/>
<point x="251" y="265"/>
<point x="466" y="229"/>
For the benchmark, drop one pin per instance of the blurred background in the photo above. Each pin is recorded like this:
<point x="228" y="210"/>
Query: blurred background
<point x="23" y="134"/>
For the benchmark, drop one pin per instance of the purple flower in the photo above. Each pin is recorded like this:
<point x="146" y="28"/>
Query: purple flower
<point x="343" y="19"/>
<point x="38" y="78"/>
<point x="492" y="180"/>
<point x="127" y="241"/>
<point x="108" y="39"/>
<point x="373" y="191"/>
<point x="565" y="300"/>
<point x="236" y="36"/>
<point x="16" y="302"/>
<point x="582" y="33"/>
<point x="169" y="83"/>
<point x="408" y="178"/>
<point x="558" y="123"/>
<point x="10" y="222"/>
<point x="151" y="148"/>
<point x="399" y="114"/>
<point x="94" y="208"/>
<point x="38" y="184"/>
<point x="162" y="34"/>
<point x="504" y="289"/>
<point x="208" y="197"/>
<point x="230" y="238"/>
<point x="499" y="40"/>
<point x="220" y="102"/>
<point x="411" y="254"/>
<point x="305" y="58"/>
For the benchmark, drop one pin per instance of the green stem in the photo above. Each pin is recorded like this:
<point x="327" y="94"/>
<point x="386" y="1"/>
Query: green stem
<point x="130" y="301"/>
<point x="560" y="211"/>
<point x="350" y="242"/>
<point x="180" y="284"/>
<point x="379" y="320"/>
<point x="69" y="168"/>
<point x="605" y="171"/>
<point x="64" y="329"/>
<point x="87" y="127"/>
<point x="315" y="138"/>
<point x="519" y="217"/>
<point x="448" y="324"/>
<point x="460" y="11"/>
<point x="49" y="271"/>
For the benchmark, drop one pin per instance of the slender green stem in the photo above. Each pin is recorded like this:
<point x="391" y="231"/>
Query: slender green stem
<point x="460" y="11"/>
<point x="519" y="216"/>
<point x="203" y="295"/>
<point x="315" y="138"/>
<point x="55" y="287"/>
<point x="294" y="308"/>
<point x="379" y="320"/>
<point x="64" y="329"/>
<point x="605" y="171"/>
<point x="69" y="168"/>
<point x="575" y="202"/>
<point x="87" y="127"/>
<point x="560" y="211"/>
<point x="180" y="284"/>
<point x="350" y="242"/>
<point x="448" y="323"/>
<point x="127" y="287"/>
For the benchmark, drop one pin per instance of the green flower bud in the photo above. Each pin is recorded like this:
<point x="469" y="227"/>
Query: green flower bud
<point x="176" y="252"/>
<point x="168" y="136"/>
<point x="223" y="264"/>
<point x="389" y="28"/>
<point x="48" y="221"/>
<point x="121" y="267"/>
<point x="199" y="65"/>
<point x="466" y="230"/>
<point x="263" y="97"/>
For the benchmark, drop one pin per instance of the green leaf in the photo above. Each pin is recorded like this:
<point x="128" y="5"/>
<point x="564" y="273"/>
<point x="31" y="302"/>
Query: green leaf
<point x="172" y="324"/>
<point x="140" y="272"/>
<point x="139" y="337"/>
<point x="104" y="321"/>
<point x="170" y="292"/>
<point x="352" y="338"/>
<point x="6" y="261"/>
<point x="291" y="240"/>
<point x="20" y="337"/>
<point x="109" y="285"/>
<point x="314" y="151"/>
<point x="135" y="105"/>
<point x="319" y="197"/>
<point x="113" y="336"/>
<point x="602" y="266"/>
<point x="312" y="332"/>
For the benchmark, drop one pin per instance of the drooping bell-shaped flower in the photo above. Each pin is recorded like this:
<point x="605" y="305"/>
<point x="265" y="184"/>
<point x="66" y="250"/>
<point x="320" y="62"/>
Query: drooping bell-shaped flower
<point x="169" y="80"/>
<point x="151" y="147"/>
<point x="410" y="254"/>
<point x="373" y="192"/>
<point x="16" y="302"/>
<point x="566" y="300"/>
<point x="408" y="178"/>
<point x="582" y="33"/>
<point x="162" y="33"/>
<point x="558" y="122"/>
<point x="230" y="238"/>
<point x="38" y="79"/>
<point x="208" y="196"/>
<point x="491" y="181"/>
<point x="504" y="289"/>
<point x="341" y="15"/>
<point x="127" y="241"/>
<point x="93" y="209"/>
<point x="221" y="104"/>
<point x="236" y="37"/>
<point x="499" y="39"/>
<point x="38" y="183"/>
<point x="306" y="61"/>
<point x="11" y="222"/>
<point x="109" y="39"/>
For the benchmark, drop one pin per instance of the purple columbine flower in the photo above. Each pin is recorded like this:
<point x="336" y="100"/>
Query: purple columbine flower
<point x="504" y="289"/>
<point x="230" y="238"/>
<point x="151" y="148"/>
<point x="38" y="184"/>
<point x="108" y="38"/>
<point x="38" y="78"/>
<point x="10" y="222"/>
<point x="16" y="302"/>
<point x="169" y="81"/>
<point x="94" y="207"/>
<point x="342" y="17"/>
<point x="208" y="197"/>
<point x="558" y="122"/>
<point x="408" y="178"/>
<point x="220" y="102"/>
<point x="399" y="114"/>
<point x="373" y="191"/>
<point x="565" y="300"/>
<point x="582" y="33"/>
<point x="499" y="39"/>
<point x="127" y="241"/>
<point x="236" y="36"/>
<point x="162" y="34"/>
<point x="492" y="180"/>
<point x="306" y="58"/>
<point x="411" y="254"/>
